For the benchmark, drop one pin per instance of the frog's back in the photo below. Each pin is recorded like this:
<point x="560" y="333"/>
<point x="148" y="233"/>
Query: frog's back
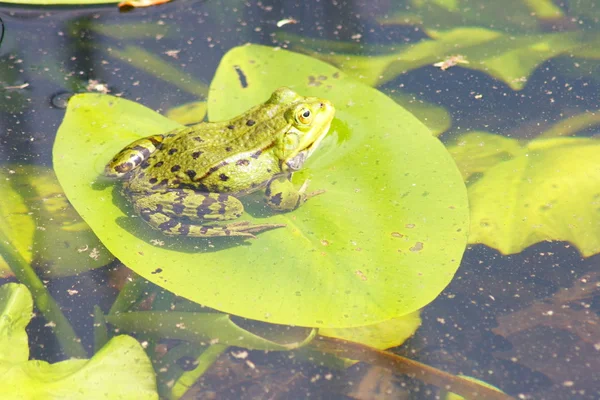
<point x="189" y="155"/>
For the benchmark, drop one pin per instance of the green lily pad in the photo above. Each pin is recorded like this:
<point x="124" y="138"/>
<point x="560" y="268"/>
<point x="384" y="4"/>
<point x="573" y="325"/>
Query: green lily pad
<point x="383" y="335"/>
<point x="122" y="362"/>
<point x="517" y="15"/>
<point x="476" y="152"/>
<point x="383" y="241"/>
<point x="158" y="67"/>
<point x="42" y="225"/>
<point x="189" y="113"/>
<point x="509" y="58"/>
<point x="547" y="189"/>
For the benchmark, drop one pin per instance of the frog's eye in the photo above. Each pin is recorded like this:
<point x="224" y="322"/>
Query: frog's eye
<point x="304" y="116"/>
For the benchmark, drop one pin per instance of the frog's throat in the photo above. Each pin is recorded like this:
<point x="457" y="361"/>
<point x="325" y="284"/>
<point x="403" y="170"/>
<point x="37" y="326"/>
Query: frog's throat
<point x="297" y="158"/>
<point x="314" y="145"/>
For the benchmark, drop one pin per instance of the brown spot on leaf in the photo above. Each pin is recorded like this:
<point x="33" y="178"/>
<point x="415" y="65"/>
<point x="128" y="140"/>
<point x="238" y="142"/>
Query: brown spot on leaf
<point x="361" y="275"/>
<point x="417" y="247"/>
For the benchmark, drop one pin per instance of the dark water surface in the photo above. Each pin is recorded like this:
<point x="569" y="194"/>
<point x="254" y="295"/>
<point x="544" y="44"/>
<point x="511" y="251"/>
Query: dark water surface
<point x="485" y="324"/>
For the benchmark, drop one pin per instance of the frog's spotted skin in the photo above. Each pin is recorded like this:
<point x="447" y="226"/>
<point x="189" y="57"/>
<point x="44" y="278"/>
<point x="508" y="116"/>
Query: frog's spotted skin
<point x="188" y="181"/>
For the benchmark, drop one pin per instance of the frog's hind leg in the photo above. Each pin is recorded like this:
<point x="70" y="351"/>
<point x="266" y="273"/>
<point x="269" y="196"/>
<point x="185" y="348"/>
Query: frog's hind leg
<point x="185" y="212"/>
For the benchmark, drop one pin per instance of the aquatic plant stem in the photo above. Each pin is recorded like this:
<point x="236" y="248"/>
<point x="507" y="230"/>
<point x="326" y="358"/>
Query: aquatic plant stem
<point x="204" y="361"/>
<point x="131" y="292"/>
<point x="68" y="339"/>
<point x="451" y="383"/>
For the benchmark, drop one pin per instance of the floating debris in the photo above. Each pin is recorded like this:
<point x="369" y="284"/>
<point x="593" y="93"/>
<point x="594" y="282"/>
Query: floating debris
<point x="451" y="62"/>
<point x="22" y="86"/>
<point x="140" y="3"/>
<point x="283" y="22"/>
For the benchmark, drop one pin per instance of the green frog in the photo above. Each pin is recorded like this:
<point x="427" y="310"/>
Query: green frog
<point x="186" y="182"/>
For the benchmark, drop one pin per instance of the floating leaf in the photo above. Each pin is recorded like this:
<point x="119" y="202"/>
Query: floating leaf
<point x="42" y="225"/>
<point x="517" y="15"/>
<point x="476" y="152"/>
<point x="383" y="335"/>
<point x="436" y="118"/>
<point x="573" y="124"/>
<point x="549" y="189"/>
<point x="156" y="66"/>
<point x="585" y="9"/>
<point x="187" y="114"/>
<point x="383" y="241"/>
<point x="130" y="30"/>
<point x="509" y="58"/>
<point x="16" y="306"/>
<point x="122" y="362"/>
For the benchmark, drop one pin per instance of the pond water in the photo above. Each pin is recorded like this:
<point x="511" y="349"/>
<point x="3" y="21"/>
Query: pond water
<point x="512" y="92"/>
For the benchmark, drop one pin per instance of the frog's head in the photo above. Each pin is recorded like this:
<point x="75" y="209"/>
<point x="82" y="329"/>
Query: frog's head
<point x="308" y="120"/>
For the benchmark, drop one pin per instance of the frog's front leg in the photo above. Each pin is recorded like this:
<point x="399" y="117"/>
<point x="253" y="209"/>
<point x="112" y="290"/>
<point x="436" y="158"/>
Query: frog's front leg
<point x="184" y="212"/>
<point x="282" y="195"/>
<point x="132" y="155"/>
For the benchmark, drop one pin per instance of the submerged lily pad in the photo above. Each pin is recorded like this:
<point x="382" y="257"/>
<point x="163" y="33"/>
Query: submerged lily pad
<point x="509" y="58"/>
<point x="383" y="241"/>
<point x="548" y="189"/>
<point x="517" y="15"/>
<point x="122" y="362"/>
<point x="42" y="225"/>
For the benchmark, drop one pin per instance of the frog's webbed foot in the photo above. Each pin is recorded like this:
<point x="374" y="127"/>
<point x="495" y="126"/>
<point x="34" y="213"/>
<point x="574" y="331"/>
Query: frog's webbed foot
<point x="244" y="228"/>
<point x="239" y="229"/>
<point x="314" y="193"/>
